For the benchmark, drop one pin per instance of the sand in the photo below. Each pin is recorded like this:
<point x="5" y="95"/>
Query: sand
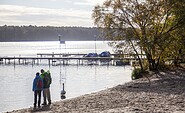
<point x="163" y="94"/>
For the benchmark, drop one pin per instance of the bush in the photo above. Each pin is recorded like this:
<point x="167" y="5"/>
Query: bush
<point x="136" y="74"/>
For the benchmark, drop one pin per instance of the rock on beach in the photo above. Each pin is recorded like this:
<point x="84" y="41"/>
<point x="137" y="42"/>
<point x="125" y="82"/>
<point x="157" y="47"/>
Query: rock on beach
<point x="164" y="93"/>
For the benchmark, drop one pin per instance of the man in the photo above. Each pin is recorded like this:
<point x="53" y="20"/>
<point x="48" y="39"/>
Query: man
<point x="46" y="86"/>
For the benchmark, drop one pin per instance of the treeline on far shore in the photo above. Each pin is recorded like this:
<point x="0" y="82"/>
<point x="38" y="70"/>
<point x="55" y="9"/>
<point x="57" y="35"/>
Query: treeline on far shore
<point x="48" y="33"/>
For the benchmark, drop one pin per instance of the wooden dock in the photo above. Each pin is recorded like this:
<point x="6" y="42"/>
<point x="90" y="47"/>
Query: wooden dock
<point x="64" y="59"/>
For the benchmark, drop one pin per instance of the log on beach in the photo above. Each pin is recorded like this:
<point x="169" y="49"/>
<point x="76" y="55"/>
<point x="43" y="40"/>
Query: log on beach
<point x="163" y="94"/>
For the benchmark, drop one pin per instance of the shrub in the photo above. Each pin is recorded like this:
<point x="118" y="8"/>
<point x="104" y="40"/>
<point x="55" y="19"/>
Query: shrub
<point x="136" y="74"/>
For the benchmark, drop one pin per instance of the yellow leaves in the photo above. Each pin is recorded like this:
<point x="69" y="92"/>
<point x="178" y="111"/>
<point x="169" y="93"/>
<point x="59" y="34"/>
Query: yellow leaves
<point x="118" y="4"/>
<point x="108" y="20"/>
<point x="107" y="3"/>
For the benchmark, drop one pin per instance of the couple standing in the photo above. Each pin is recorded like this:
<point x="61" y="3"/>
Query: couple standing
<point x="41" y="83"/>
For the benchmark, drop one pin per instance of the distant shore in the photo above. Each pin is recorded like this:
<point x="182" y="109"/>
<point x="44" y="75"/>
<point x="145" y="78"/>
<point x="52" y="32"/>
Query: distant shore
<point x="165" y="93"/>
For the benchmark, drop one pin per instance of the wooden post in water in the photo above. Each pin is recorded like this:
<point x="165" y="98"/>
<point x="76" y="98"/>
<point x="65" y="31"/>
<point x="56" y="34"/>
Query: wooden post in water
<point x="19" y="61"/>
<point x="14" y="60"/>
<point x="63" y="62"/>
<point x="49" y="62"/>
<point x="77" y="62"/>
<point x="8" y="61"/>
<point x="37" y="61"/>
<point x="32" y="62"/>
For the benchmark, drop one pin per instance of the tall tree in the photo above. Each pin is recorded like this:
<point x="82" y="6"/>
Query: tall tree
<point x="148" y="24"/>
<point x="178" y="7"/>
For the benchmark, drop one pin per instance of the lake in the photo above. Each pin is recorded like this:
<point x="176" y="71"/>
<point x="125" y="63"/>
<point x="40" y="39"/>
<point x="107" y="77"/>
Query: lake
<point x="16" y="80"/>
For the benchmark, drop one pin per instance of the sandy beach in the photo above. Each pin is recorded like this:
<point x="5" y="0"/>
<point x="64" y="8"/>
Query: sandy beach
<point x="165" y="93"/>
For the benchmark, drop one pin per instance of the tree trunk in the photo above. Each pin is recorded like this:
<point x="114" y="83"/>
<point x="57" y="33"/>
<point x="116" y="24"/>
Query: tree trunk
<point x="152" y="64"/>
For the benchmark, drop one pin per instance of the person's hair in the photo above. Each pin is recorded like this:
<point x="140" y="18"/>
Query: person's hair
<point x="42" y="70"/>
<point x="37" y="73"/>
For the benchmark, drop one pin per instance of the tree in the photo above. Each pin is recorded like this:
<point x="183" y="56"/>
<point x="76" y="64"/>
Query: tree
<point x="178" y="7"/>
<point x="149" y="25"/>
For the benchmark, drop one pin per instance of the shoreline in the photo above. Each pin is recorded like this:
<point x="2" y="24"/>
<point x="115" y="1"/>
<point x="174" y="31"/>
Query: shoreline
<point x="163" y="94"/>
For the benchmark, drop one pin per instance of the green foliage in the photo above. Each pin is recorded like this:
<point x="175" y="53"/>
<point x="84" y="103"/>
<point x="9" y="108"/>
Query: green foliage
<point x="145" y="65"/>
<point x="136" y="73"/>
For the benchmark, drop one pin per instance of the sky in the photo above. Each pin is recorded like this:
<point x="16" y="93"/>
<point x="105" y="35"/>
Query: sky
<point x="47" y="12"/>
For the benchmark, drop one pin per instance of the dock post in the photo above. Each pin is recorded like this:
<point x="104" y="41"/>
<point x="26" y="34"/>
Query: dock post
<point x="19" y="61"/>
<point x="14" y="60"/>
<point x="1" y="61"/>
<point x="37" y="61"/>
<point x="82" y="62"/>
<point x="79" y="61"/>
<point x="67" y="62"/>
<point x="49" y="62"/>
<point x="25" y="61"/>
<point x="33" y="62"/>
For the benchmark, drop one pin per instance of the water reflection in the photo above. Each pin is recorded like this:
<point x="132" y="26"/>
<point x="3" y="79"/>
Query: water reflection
<point x="16" y="82"/>
<point x="63" y="92"/>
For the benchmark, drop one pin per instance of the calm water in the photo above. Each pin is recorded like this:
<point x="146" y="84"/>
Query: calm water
<point x="16" y="81"/>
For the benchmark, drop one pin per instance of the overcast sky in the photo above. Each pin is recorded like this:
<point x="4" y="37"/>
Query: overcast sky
<point x="47" y="12"/>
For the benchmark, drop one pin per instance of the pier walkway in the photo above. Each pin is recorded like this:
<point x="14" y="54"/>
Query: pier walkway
<point x="64" y="59"/>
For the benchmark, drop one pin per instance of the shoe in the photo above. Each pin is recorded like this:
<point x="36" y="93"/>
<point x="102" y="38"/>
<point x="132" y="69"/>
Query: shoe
<point x="49" y="103"/>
